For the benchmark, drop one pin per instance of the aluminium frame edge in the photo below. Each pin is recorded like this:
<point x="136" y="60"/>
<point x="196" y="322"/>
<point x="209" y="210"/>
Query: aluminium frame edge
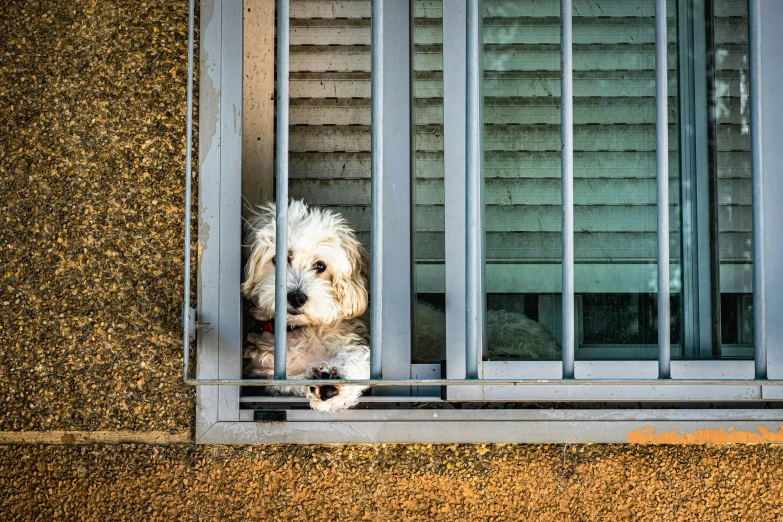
<point x="766" y="131"/>
<point x="213" y="429"/>
<point x="230" y="213"/>
<point x="395" y="189"/>
<point x="694" y="426"/>
<point x="208" y="309"/>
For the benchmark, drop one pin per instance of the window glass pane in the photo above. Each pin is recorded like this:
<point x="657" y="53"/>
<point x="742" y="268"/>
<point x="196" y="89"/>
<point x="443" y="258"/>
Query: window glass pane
<point x="522" y="190"/>
<point x="614" y="177"/>
<point x="428" y="190"/>
<point x="329" y="112"/>
<point x="731" y="155"/>
<point x="614" y="180"/>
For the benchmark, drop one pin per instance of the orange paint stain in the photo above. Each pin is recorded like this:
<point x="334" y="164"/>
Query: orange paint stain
<point x="648" y="435"/>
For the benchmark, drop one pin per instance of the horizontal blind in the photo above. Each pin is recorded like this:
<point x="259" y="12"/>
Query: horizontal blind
<point x="329" y="150"/>
<point x="732" y="115"/>
<point x="614" y="126"/>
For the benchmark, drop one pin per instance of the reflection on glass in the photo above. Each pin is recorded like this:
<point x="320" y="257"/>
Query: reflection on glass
<point x="615" y="186"/>
<point x="428" y="193"/>
<point x="615" y="193"/>
<point x="522" y="190"/>
<point x="730" y="150"/>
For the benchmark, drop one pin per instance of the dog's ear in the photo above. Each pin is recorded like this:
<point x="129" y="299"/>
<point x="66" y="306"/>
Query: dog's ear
<point x="351" y="286"/>
<point x="259" y="240"/>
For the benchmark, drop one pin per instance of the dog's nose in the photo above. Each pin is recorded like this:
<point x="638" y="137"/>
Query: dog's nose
<point x="296" y="299"/>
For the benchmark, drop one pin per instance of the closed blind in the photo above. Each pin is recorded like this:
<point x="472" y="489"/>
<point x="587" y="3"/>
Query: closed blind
<point x="614" y="134"/>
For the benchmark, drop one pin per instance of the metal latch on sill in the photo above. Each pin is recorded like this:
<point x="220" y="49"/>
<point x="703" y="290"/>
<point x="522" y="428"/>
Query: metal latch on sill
<point x="191" y="323"/>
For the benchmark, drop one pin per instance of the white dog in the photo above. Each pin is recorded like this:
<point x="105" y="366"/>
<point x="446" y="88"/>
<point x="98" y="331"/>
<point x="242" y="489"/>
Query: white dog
<point x="327" y="294"/>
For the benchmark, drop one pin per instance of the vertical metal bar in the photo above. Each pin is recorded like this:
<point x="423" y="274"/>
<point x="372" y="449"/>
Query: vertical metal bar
<point x="208" y="272"/>
<point x="702" y="268"/>
<point x="473" y="201"/>
<point x="391" y="285"/>
<point x="662" y="153"/>
<point x="567" y="166"/>
<point x="188" y="190"/>
<point x="766" y="76"/>
<point x="230" y="228"/>
<point x="697" y="307"/>
<point x="689" y="294"/>
<point x="281" y="192"/>
<point x="395" y="189"/>
<point x="376" y="271"/>
<point x="757" y="180"/>
<point x="454" y="162"/>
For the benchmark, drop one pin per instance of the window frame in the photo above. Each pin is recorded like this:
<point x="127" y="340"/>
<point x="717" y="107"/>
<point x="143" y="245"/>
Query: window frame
<point x="219" y="328"/>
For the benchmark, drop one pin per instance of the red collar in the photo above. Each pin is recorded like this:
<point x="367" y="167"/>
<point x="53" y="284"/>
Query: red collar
<point x="269" y="326"/>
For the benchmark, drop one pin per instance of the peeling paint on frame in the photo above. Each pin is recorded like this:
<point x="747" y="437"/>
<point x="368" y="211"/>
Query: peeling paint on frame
<point x="762" y="435"/>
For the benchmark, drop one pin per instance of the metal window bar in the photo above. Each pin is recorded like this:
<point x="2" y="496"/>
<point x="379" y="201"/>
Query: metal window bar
<point x="757" y="182"/>
<point x="473" y="165"/>
<point x="376" y="181"/>
<point x="281" y="191"/>
<point x="188" y="313"/>
<point x="567" y="169"/>
<point x="474" y="302"/>
<point x="699" y="281"/>
<point x="662" y="162"/>
<point x="454" y="30"/>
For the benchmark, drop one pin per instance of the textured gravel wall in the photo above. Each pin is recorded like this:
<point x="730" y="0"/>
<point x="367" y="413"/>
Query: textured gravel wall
<point x="92" y="109"/>
<point x="92" y="118"/>
<point x="393" y="483"/>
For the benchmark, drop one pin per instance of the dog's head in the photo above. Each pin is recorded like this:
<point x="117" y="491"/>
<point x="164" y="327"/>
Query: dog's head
<point x="327" y="272"/>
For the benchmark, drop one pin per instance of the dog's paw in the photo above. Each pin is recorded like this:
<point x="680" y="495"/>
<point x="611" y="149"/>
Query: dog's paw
<point x="323" y="392"/>
<point x="328" y="398"/>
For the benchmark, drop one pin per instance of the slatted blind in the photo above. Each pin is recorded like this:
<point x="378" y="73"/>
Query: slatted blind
<point x="330" y="107"/>
<point x="614" y="134"/>
<point x="732" y="114"/>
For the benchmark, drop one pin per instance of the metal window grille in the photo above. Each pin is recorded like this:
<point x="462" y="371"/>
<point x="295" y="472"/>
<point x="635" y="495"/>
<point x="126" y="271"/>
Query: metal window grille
<point x="468" y="376"/>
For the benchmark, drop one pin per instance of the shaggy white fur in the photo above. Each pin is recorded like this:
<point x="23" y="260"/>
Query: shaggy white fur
<point x="327" y="290"/>
<point x="327" y="271"/>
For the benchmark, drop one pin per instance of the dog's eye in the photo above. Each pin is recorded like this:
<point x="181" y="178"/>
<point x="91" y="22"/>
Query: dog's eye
<point x="319" y="267"/>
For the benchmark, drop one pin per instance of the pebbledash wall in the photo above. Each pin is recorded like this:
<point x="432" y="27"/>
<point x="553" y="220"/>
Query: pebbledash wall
<point x="94" y="420"/>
